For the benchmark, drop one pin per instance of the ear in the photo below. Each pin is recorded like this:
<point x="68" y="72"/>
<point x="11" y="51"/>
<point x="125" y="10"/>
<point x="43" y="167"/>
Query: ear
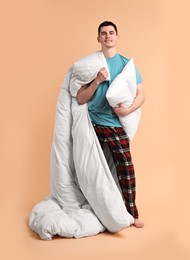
<point x="98" y="38"/>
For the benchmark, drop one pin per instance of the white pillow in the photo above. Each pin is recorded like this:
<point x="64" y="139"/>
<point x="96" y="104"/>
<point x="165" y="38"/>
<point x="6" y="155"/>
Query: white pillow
<point x="123" y="90"/>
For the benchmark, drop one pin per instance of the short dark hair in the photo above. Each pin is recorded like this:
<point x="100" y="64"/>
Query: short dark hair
<point x="107" y="23"/>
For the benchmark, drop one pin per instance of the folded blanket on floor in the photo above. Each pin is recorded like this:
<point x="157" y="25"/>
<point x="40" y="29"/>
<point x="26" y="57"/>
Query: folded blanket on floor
<point x="85" y="198"/>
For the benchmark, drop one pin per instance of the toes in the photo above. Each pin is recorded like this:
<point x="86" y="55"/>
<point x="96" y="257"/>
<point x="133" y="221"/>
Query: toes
<point x="138" y="224"/>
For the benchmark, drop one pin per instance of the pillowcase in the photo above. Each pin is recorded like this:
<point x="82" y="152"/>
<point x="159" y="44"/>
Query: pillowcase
<point x="123" y="90"/>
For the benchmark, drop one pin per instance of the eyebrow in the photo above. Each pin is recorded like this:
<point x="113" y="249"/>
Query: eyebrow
<point x="109" y="31"/>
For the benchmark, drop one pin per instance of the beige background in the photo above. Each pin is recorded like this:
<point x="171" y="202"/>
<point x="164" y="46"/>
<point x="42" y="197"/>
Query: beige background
<point x="40" y="39"/>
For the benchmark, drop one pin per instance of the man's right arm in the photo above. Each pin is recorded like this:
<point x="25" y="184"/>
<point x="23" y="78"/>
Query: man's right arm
<point x="86" y="92"/>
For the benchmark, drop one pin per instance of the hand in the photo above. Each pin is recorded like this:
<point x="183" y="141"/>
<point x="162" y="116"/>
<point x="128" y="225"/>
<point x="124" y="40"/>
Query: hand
<point x="122" y="110"/>
<point x="102" y="75"/>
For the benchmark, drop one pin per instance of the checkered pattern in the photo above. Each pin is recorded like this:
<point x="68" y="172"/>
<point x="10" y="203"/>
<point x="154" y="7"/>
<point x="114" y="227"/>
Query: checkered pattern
<point x="118" y="142"/>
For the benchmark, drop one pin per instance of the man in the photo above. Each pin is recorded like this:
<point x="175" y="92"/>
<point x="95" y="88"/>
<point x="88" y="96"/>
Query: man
<point x="105" y="119"/>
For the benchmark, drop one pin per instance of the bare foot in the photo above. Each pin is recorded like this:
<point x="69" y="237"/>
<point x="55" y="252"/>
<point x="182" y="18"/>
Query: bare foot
<point x="138" y="223"/>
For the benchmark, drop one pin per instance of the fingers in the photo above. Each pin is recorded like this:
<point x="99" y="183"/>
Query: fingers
<point x="103" y="74"/>
<point x="104" y="71"/>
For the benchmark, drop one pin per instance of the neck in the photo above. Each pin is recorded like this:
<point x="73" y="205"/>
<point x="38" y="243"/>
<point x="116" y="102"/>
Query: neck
<point x="109" y="53"/>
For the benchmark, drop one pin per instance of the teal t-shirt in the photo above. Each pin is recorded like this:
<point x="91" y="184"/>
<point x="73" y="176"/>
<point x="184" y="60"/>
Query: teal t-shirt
<point x="100" y="111"/>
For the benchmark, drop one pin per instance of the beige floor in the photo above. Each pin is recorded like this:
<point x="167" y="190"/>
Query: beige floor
<point x="165" y="235"/>
<point x="158" y="240"/>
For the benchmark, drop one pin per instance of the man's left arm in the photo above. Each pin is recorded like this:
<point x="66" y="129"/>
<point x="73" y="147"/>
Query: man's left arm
<point x="122" y="110"/>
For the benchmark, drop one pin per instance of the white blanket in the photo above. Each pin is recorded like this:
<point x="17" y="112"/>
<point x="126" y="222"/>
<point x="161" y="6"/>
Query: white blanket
<point x="85" y="198"/>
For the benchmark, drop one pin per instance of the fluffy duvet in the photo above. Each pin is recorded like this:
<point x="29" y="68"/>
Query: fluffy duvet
<point x="85" y="197"/>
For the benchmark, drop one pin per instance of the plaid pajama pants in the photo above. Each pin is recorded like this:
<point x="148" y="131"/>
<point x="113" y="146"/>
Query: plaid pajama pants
<point x="118" y="143"/>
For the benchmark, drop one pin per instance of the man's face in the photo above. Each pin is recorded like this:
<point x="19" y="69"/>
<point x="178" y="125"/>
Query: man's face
<point x="107" y="37"/>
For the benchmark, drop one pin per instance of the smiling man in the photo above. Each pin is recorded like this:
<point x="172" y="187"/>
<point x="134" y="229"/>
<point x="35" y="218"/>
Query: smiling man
<point x="105" y="119"/>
